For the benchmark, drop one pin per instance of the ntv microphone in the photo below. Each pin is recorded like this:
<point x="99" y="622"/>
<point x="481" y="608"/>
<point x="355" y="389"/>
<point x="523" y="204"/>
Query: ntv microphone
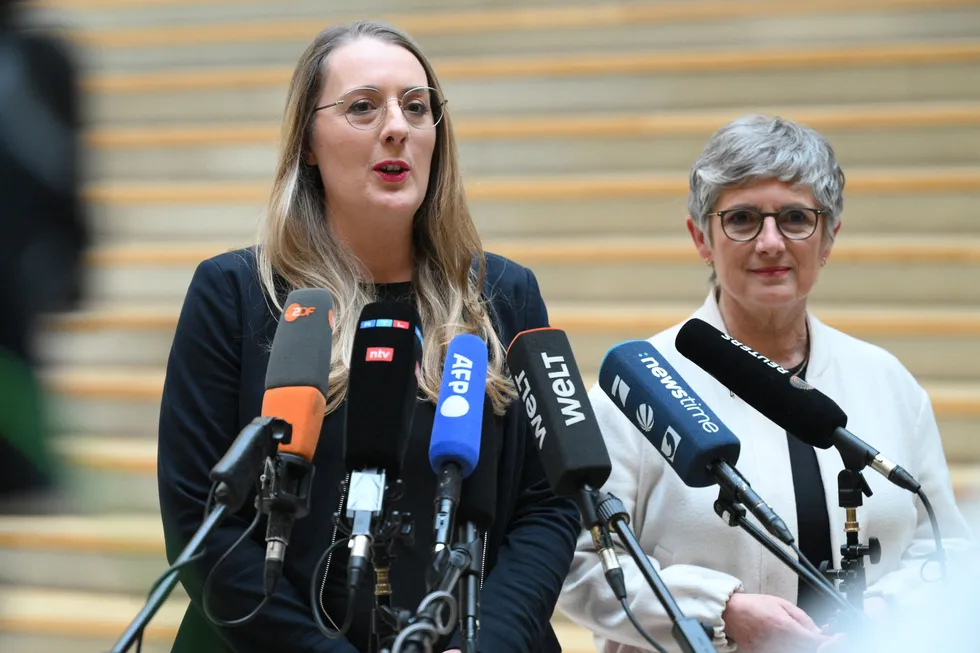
<point x="572" y="451"/>
<point x="785" y="399"/>
<point x="296" y="389"/>
<point x="454" y="448"/>
<point x="689" y="436"/>
<point x="381" y="397"/>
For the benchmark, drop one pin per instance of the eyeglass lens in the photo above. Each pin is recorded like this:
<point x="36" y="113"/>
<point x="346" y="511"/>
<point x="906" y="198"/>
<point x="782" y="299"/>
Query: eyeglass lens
<point x="365" y="107"/>
<point x="746" y="224"/>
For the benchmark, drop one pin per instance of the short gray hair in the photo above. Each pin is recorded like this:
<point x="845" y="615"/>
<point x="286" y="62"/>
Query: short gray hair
<point x="753" y="148"/>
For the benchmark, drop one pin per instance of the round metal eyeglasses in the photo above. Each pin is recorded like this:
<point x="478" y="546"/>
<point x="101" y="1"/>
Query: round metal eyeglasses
<point x="365" y="107"/>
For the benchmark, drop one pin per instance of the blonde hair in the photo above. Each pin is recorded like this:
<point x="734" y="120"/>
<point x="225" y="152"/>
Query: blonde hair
<point x="298" y="250"/>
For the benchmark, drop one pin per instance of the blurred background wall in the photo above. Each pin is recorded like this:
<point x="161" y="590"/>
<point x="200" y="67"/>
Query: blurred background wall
<point x="577" y="124"/>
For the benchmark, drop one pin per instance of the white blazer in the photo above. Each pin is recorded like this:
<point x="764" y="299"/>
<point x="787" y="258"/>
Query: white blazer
<point x="701" y="559"/>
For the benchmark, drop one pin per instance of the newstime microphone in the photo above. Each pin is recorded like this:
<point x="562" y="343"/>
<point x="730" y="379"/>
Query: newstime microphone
<point x="296" y="390"/>
<point x="787" y="400"/>
<point x="689" y="436"/>
<point x="454" y="448"/>
<point x="381" y="399"/>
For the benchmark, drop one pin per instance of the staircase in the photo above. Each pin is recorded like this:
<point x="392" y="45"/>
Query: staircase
<point x="577" y="126"/>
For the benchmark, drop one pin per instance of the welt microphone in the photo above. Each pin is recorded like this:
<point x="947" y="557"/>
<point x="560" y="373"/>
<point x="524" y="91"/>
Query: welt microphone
<point x="688" y="435"/>
<point x="381" y="397"/>
<point x="454" y="448"/>
<point x="561" y="418"/>
<point x="787" y="400"/>
<point x="296" y="389"/>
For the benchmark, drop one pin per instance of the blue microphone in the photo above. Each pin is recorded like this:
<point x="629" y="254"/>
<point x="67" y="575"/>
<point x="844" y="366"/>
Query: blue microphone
<point x="690" y="437"/>
<point x="454" y="448"/>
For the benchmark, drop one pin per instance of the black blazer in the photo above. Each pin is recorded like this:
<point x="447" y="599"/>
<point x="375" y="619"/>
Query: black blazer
<point x="214" y="387"/>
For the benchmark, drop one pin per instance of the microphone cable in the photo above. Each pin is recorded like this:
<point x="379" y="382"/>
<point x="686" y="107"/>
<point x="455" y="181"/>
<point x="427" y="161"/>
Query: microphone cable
<point x="636" y="624"/>
<point x="940" y="555"/>
<point x="210" y="581"/>
<point x="177" y="567"/>
<point x="317" y="607"/>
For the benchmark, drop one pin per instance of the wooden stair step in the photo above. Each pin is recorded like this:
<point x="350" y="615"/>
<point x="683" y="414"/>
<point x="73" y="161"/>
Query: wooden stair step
<point x="569" y="187"/>
<point x="577" y="65"/>
<point x="507" y="19"/>
<point x="862" y="117"/>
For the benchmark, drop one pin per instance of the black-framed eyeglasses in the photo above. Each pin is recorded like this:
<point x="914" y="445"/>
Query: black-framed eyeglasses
<point x="365" y="107"/>
<point x="743" y="225"/>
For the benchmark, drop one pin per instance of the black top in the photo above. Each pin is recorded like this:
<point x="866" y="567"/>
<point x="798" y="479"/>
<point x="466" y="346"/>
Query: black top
<point x="811" y="516"/>
<point x="214" y="387"/>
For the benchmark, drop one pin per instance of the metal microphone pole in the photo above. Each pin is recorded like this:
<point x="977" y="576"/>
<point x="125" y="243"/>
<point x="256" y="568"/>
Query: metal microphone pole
<point x="235" y="477"/>
<point x="688" y="632"/>
<point x="469" y="589"/>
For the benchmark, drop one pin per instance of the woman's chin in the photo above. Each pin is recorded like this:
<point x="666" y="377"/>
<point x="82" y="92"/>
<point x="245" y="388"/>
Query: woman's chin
<point x="775" y="296"/>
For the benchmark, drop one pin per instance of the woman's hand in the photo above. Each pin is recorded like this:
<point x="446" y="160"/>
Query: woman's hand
<point x="759" y="623"/>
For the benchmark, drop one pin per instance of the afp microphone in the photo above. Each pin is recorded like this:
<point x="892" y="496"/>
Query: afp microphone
<point x="570" y="444"/>
<point x="454" y="448"/>
<point x="296" y="389"/>
<point x="787" y="400"/>
<point x="688" y="435"/>
<point x="381" y="397"/>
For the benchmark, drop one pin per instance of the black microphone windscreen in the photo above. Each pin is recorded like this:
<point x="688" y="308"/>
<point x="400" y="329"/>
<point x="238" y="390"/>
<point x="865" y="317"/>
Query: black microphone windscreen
<point x="478" y="497"/>
<point x="561" y="419"/>
<point x="785" y="399"/>
<point x="301" y="348"/>
<point x="383" y="387"/>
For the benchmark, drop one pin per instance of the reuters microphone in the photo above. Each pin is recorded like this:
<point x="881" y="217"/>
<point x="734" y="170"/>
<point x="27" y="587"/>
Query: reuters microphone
<point x="785" y="399"/>
<point x="454" y="448"/>
<point x="296" y="389"/>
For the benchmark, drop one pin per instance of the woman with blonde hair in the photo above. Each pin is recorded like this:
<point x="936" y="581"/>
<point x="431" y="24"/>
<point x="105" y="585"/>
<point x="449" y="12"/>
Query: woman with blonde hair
<point x="368" y="203"/>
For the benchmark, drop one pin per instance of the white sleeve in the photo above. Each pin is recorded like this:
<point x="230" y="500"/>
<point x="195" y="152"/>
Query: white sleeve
<point x="933" y="474"/>
<point x="587" y="599"/>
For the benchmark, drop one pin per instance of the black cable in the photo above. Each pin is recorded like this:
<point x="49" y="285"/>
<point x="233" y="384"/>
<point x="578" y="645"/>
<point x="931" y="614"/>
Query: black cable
<point x="636" y="624"/>
<point x="194" y="558"/>
<point x="940" y="555"/>
<point x="812" y="568"/>
<point x="315" y="604"/>
<point x="211" y="576"/>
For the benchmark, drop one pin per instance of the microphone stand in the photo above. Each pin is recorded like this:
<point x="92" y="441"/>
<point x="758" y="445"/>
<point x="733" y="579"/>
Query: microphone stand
<point x="391" y="527"/>
<point x="851" y="488"/>
<point x="469" y="589"/>
<point x="450" y="568"/>
<point x="733" y="514"/>
<point x="235" y="474"/>
<point x="688" y="632"/>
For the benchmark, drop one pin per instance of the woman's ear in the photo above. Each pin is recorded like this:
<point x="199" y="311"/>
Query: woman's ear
<point x="700" y="242"/>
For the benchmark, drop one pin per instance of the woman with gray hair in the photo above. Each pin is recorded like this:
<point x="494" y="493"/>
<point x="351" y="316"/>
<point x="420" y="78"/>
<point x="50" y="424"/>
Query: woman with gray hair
<point x="765" y="202"/>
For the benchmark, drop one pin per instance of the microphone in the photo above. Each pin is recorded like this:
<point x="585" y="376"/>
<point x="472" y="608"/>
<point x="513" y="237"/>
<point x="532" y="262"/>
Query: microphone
<point x="576" y="462"/>
<point x="454" y="448"/>
<point x="570" y="445"/>
<point x="381" y="398"/>
<point x="550" y="388"/>
<point x="688" y="435"/>
<point x="785" y="399"/>
<point x="296" y="389"/>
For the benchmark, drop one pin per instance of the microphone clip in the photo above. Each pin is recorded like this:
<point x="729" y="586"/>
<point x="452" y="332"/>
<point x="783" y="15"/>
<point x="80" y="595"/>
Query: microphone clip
<point x="285" y="486"/>
<point x="852" y="487"/>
